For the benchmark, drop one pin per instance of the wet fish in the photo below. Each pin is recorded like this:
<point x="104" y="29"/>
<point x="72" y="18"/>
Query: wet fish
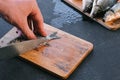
<point x="42" y="39"/>
<point x="87" y="5"/>
<point x="113" y="13"/>
<point x="101" y="6"/>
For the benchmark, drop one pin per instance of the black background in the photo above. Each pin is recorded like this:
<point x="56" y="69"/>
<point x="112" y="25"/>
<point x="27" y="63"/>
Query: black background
<point x="102" y="64"/>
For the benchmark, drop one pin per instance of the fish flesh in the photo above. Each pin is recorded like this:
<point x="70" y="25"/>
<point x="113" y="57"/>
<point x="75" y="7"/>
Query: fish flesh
<point x="87" y="5"/>
<point x="101" y="6"/>
<point x="113" y="13"/>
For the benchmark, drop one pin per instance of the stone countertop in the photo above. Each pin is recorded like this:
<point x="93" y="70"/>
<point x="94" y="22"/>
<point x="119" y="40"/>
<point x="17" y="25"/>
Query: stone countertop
<point x="101" y="64"/>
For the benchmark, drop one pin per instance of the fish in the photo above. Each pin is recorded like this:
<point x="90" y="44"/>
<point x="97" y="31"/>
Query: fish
<point x="113" y="13"/>
<point x="43" y="40"/>
<point x="87" y="5"/>
<point x="100" y="6"/>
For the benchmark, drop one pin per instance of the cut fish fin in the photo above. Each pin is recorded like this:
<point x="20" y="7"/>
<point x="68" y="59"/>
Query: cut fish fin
<point x="53" y="36"/>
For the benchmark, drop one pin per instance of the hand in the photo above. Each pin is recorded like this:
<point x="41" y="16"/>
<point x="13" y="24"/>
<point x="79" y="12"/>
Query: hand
<point x="18" y="12"/>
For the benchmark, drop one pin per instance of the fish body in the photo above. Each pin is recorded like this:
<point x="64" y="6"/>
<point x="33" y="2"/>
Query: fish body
<point x="113" y="13"/>
<point x="40" y="40"/>
<point x="101" y="6"/>
<point x="87" y="5"/>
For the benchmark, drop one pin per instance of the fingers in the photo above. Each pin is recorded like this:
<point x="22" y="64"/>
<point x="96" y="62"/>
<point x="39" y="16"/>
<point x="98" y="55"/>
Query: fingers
<point x="38" y="21"/>
<point x="26" y="30"/>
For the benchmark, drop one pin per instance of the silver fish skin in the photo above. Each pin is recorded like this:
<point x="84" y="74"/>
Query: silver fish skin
<point x="101" y="6"/>
<point x="41" y="40"/>
<point x="87" y="5"/>
<point x="113" y="13"/>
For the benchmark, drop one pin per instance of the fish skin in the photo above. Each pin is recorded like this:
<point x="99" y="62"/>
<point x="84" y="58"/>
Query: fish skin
<point x="87" y="5"/>
<point x="41" y="40"/>
<point x="113" y="13"/>
<point x="101" y="6"/>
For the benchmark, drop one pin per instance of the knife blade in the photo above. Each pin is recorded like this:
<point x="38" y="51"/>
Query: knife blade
<point x="9" y="36"/>
<point x="13" y="34"/>
<point x="15" y="49"/>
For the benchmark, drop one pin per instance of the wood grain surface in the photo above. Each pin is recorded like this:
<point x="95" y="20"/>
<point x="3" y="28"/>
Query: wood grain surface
<point x="114" y="25"/>
<point x="62" y="56"/>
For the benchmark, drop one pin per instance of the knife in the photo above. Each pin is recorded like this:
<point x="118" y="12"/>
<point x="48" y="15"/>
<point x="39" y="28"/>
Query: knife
<point x="12" y="50"/>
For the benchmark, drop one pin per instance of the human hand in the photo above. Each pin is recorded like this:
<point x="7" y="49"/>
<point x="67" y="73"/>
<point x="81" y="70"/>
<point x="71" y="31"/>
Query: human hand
<point x="18" y="12"/>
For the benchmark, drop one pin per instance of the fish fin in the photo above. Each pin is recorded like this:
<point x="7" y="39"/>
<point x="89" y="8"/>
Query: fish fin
<point x="53" y="36"/>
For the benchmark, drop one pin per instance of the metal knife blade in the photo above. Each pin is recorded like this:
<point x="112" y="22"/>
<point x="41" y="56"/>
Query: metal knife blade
<point x="13" y="34"/>
<point x="9" y="36"/>
<point x="16" y="49"/>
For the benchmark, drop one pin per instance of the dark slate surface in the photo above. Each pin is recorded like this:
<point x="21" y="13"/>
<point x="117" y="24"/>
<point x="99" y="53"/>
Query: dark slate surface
<point x="102" y="64"/>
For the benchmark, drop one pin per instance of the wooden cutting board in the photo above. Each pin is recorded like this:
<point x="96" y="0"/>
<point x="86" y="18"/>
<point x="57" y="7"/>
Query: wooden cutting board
<point x="62" y="56"/>
<point x="77" y="4"/>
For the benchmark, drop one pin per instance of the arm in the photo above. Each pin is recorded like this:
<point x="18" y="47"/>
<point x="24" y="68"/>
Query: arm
<point x="18" y="12"/>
